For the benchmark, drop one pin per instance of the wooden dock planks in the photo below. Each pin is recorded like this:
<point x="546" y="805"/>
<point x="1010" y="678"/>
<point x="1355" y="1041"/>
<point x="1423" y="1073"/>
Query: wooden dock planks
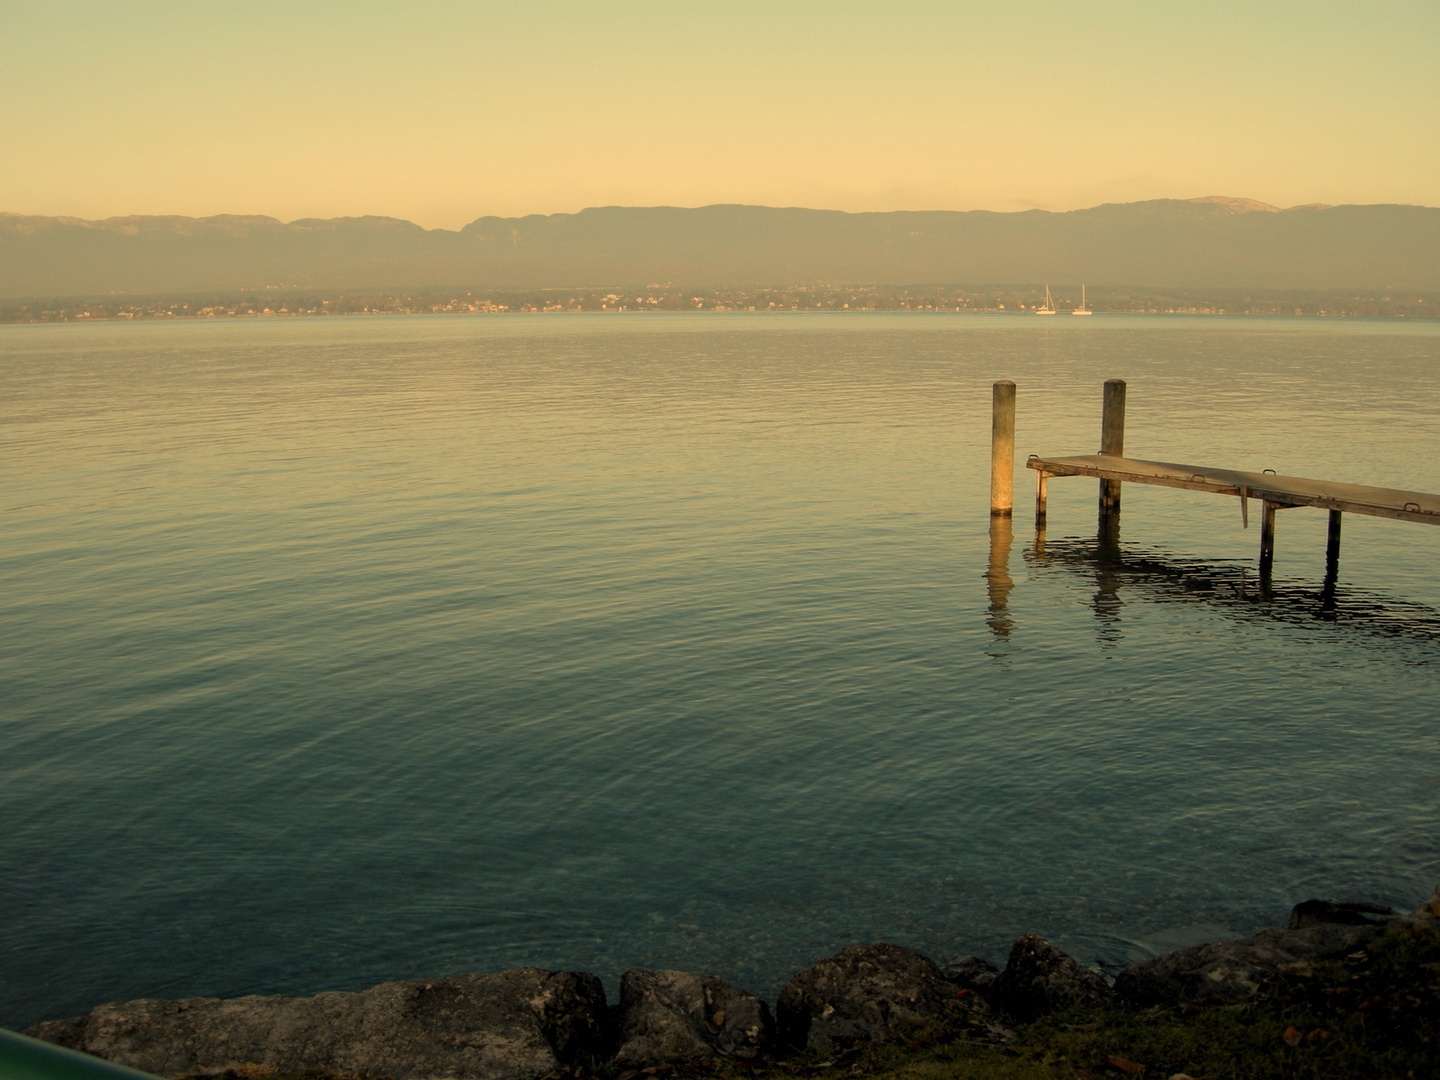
<point x="1281" y="491"/>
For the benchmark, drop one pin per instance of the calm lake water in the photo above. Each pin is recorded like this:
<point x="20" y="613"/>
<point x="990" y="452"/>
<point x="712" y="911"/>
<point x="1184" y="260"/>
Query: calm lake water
<point x="335" y="651"/>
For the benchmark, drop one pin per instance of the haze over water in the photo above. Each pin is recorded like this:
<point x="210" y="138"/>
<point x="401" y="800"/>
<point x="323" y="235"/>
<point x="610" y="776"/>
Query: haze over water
<point x="342" y="650"/>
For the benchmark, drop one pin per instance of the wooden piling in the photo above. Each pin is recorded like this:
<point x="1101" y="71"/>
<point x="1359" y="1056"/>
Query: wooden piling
<point x="1002" y="449"/>
<point x="1107" y="540"/>
<point x="1112" y="440"/>
<point x="1267" y="538"/>
<point x="1332" y="567"/>
<point x="1042" y="497"/>
<point x="1332" y="545"/>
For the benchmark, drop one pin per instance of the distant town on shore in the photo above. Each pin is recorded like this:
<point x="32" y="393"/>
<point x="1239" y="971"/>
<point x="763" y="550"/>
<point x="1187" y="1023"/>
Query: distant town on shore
<point x="282" y="302"/>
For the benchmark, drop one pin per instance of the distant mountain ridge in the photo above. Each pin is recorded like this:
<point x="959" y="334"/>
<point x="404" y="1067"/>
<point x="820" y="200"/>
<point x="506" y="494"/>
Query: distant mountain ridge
<point x="1214" y="241"/>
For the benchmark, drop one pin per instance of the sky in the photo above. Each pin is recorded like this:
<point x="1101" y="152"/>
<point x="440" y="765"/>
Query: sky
<point x="442" y="112"/>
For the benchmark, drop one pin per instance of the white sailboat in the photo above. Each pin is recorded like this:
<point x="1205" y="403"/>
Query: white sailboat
<point x="1047" y="308"/>
<point x="1082" y="309"/>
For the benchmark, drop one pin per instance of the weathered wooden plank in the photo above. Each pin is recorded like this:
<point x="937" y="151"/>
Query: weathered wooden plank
<point x="1284" y="491"/>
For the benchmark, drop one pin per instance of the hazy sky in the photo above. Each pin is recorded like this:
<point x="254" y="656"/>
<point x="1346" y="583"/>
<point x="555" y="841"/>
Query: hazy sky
<point x="442" y="112"/>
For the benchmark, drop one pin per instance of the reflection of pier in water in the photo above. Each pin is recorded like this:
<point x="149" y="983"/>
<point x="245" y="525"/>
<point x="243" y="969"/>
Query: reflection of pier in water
<point x="1150" y="576"/>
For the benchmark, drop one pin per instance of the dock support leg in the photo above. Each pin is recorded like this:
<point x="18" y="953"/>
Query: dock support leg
<point x="1267" y="539"/>
<point x="1002" y="448"/>
<point x="1332" y="566"/>
<point x="1112" y="440"/>
<point x="1041" y="497"/>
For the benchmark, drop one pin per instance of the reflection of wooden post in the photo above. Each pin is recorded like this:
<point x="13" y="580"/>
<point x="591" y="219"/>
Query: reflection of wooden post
<point x="1002" y="448"/>
<point x="1267" y="538"/>
<point x="1108" y="567"/>
<point x="1112" y="440"/>
<point x="997" y="576"/>
<point x="1107" y="540"/>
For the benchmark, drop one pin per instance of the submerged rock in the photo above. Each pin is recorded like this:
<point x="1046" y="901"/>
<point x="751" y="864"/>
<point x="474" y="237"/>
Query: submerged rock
<point x="1039" y="979"/>
<point x="860" y="994"/>
<point x="1337" y="913"/>
<point x="512" y="1025"/>
<point x="676" y="1015"/>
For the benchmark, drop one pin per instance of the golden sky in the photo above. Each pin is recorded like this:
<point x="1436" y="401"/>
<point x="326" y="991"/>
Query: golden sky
<point x="442" y="112"/>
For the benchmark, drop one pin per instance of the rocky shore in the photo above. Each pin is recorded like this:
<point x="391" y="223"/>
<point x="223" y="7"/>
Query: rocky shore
<point x="524" y="1023"/>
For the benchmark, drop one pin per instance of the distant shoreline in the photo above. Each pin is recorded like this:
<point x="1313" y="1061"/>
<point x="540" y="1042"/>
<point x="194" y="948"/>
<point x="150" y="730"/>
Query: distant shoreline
<point x="289" y="302"/>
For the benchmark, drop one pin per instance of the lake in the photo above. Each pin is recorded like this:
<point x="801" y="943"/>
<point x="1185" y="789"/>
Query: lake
<point x="341" y="650"/>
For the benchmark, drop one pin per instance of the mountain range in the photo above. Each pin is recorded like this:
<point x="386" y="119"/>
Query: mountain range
<point x="1213" y="242"/>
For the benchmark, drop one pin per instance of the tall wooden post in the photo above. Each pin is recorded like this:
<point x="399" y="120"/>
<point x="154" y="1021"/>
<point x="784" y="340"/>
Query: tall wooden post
<point x="1112" y="440"/>
<point x="1002" y="449"/>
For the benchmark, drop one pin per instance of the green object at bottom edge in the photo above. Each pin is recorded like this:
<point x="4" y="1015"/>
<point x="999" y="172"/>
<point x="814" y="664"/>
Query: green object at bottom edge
<point x="24" y="1058"/>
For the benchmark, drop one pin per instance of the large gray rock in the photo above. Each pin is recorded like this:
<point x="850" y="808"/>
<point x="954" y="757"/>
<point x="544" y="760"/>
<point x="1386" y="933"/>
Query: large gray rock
<point x="860" y="994"/>
<point x="676" y="1016"/>
<point x="1230" y="971"/>
<point x="511" y="1025"/>
<point x="1039" y="979"/>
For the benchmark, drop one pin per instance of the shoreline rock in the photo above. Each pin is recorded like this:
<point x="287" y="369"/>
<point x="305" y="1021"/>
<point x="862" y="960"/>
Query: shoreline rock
<point x="525" y="1023"/>
<point x="1039" y="979"/>
<point x="861" y="994"/>
<point x="1229" y="972"/>
<point x="680" y="1016"/>
<point x="971" y="973"/>
<point x="511" y="1025"/>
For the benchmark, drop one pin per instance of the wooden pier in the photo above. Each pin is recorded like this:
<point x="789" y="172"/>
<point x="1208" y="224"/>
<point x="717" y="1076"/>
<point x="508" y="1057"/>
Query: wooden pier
<point x="1283" y="491"/>
<point x="1273" y="492"/>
